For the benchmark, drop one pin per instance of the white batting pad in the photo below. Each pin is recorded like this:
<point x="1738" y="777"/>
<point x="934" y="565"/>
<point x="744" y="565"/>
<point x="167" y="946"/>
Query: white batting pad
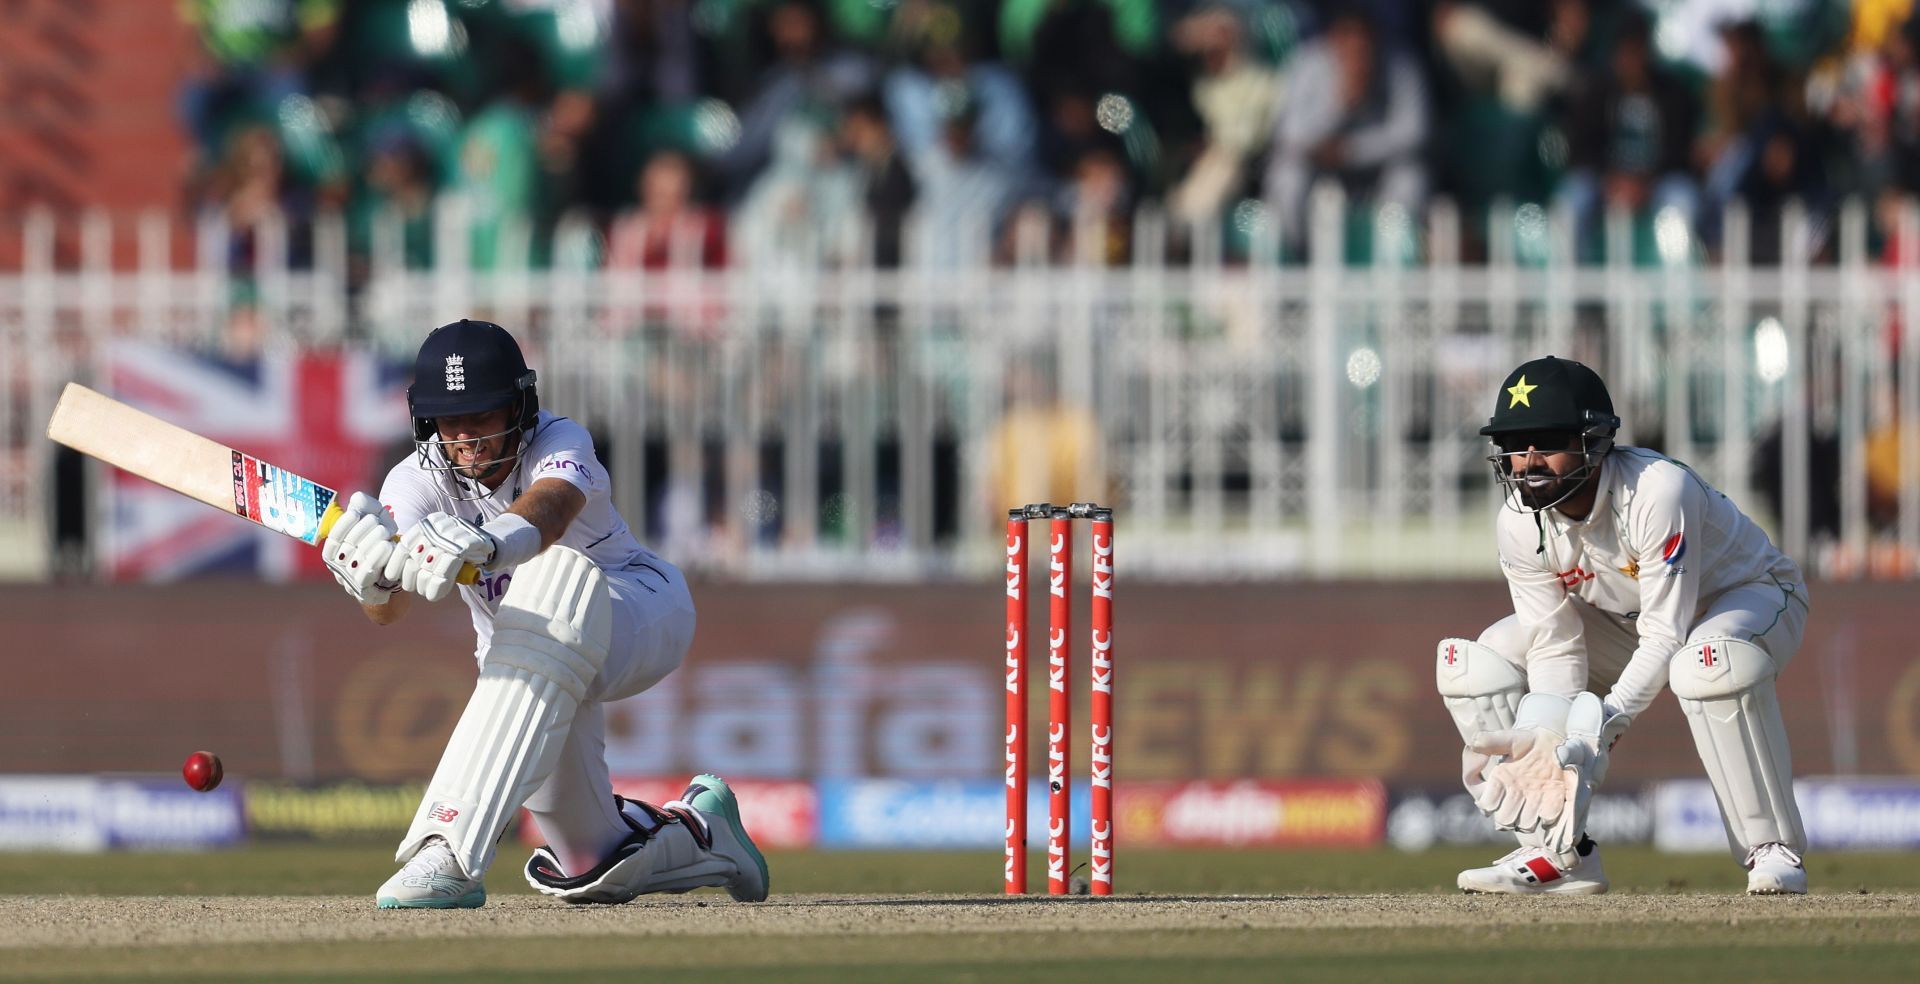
<point x="1726" y="688"/>
<point x="1481" y="688"/>
<point x="549" y="640"/>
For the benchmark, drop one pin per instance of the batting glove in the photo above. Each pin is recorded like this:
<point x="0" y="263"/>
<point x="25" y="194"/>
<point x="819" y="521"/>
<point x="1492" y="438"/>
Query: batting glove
<point x="358" y="548"/>
<point x="432" y="554"/>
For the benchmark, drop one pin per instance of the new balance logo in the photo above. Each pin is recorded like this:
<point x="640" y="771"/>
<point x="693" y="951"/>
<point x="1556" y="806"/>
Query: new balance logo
<point x="442" y="813"/>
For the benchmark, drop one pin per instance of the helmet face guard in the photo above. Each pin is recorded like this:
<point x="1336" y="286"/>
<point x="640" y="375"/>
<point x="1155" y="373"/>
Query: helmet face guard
<point x="436" y="456"/>
<point x="1593" y="442"/>
<point x="470" y="367"/>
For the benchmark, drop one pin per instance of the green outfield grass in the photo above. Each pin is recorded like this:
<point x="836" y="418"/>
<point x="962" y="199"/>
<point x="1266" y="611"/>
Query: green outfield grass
<point x="1512" y="946"/>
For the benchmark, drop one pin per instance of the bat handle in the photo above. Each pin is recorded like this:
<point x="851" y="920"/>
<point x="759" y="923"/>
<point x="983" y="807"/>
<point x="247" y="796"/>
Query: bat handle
<point x="469" y="574"/>
<point x="327" y="519"/>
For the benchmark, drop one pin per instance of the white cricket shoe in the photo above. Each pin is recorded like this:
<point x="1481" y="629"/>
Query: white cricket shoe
<point x="432" y="879"/>
<point x="714" y="800"/>
<point x="1529" y="871"/>
<point x="1773" y="869"/>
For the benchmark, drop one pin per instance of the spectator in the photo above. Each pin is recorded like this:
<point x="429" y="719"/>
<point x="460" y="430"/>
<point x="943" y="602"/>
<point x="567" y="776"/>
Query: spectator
<point x="966" y="192"/>
<point x="247" y="187"/>
<point x="1760" y="148"/>
<point x="1355" y="114"/>
<point x="1079" y="44"/>
<point x="668" y="229"/>
<point x="498" y="171"/>
<point x="801" y="210"/>
<point x="1044" y="448"/>
<point x="1095" y="211"/>
<point x="1236" y="96"/>
<point x="807" y="78"/>
<point x="1631" y="131"/>
<point x="398" y="188"/>
<point x="654" y="55"/>
<point x="1741" y="99"/>
<point x="257" y="53"/>
<point x="924" y="97"/>
<point x="1872" y="98"/>
<point x="1519" y="50"/>
<point x="886" y="185"/>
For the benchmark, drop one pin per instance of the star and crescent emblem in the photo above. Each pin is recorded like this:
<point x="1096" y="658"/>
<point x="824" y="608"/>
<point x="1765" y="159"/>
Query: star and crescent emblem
<point x="1519" y="393"/>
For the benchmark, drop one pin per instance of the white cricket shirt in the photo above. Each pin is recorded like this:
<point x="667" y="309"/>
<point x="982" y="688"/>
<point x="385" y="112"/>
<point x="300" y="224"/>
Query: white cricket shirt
<point x="1659" y="546"/>
<point x="560" y="448"/>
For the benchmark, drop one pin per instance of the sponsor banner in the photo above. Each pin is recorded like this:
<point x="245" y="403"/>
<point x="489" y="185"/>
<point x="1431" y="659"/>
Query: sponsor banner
<point x="954" y="813"/>
<point x="1839" y="813"/>
<point x="162" y="814"/>
<point x="341" y="811"/>
<point x="56" y="813"/>
<point x="1860" y="814"/>
<point x="825" y="682"/>
<point x="903" y="813"/>
<point x="778" y="813"/>
<point x="1421" y="819"/>
<point x="1250" y="813"/>
<point x="86" y="813"/>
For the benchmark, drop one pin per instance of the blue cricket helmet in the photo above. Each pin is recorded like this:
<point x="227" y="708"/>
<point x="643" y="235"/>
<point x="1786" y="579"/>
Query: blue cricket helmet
<point x="470" y="367"/>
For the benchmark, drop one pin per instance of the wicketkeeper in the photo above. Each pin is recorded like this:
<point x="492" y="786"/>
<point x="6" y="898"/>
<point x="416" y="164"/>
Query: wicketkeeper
<point x="570" y="612"/>
<point x="1628" y="574"/>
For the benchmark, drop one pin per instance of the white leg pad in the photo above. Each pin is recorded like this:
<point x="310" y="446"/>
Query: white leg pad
<point x="1726" y="688"/>
<point x="1481" y="688"/>
<point x="675" y="856"/>
<point x="549" y="641"/>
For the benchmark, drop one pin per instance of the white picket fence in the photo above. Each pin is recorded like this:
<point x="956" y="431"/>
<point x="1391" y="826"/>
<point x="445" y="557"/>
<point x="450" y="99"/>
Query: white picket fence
<point x="827" y="419"/>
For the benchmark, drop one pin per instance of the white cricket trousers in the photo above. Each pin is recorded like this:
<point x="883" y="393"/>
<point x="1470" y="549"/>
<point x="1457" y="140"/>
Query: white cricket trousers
<point x="653" y="622"/>
<point x="1770" y="614"/>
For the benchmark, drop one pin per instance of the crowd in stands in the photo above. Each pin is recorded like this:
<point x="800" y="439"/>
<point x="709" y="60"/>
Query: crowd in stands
<point x="661" y="120"/>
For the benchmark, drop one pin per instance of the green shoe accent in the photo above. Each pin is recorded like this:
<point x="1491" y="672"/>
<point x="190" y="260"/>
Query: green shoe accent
<point x="715" y="796"/>
<point x="472" y="900"/>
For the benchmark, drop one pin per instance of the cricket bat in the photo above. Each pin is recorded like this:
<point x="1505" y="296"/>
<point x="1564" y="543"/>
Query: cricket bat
<point x="171" y="456"/>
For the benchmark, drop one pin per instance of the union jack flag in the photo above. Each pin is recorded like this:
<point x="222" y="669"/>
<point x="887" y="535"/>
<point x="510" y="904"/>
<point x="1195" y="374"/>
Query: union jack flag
<point x="332" y="416"/>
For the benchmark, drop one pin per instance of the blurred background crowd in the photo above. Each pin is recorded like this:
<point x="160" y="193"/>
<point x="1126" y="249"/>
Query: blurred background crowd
<point x="666" y="122"/>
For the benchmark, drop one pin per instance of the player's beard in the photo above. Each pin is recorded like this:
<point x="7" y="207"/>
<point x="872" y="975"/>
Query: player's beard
<point x="1539" y="496"/>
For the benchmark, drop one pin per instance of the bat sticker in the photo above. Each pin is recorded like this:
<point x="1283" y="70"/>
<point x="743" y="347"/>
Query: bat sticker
<point x="278" y="499"/>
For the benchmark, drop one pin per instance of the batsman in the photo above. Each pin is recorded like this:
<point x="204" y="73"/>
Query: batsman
<point x="1629" y="575"/>
<point x="569" y="610"/>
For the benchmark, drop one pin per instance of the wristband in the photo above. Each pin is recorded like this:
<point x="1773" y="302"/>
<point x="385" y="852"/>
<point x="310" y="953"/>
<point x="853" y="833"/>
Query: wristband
<point x="515" y="541"/>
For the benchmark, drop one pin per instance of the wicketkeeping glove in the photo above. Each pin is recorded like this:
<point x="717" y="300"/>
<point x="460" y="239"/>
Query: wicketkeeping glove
<point x="1527" y="788"/>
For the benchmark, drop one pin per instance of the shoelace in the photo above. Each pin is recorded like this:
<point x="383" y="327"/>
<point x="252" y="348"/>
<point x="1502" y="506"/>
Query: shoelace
<point x="1763" y="851"/>
<point x="428" y="860"/>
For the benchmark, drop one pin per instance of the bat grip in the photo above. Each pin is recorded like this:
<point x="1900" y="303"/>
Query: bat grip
<point x="469" y="574"/>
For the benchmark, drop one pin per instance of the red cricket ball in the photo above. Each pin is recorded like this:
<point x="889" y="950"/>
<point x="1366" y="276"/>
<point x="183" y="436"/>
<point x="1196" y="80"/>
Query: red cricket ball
<point x="202" y="771"/>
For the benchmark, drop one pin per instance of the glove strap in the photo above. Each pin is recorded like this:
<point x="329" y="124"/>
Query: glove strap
<point x="515" y="541"/>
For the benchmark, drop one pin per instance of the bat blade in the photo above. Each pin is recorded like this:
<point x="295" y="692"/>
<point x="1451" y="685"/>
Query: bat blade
<point x="171" y="456"/>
